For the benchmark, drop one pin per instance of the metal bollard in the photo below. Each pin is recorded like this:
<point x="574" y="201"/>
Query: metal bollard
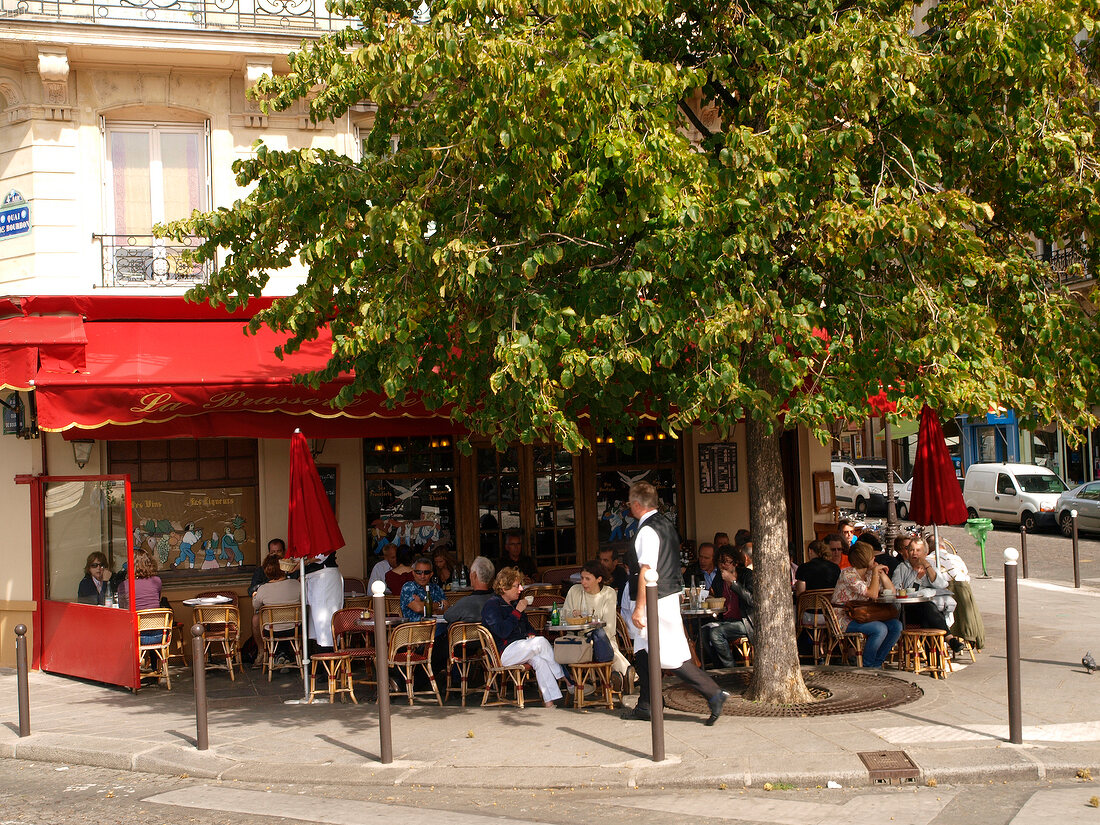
<point x="382" y="673"/>
<point x="1012" y="647"/>
<point x="656" y="694"/>
<point x="1023" y="551"/>
<point x="198" y="665"/>
<point x="21" y="680"/>
<point x="1076" y="552"/>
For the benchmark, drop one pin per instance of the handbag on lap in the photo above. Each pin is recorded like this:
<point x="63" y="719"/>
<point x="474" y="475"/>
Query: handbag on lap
<point x="864" y="611"/>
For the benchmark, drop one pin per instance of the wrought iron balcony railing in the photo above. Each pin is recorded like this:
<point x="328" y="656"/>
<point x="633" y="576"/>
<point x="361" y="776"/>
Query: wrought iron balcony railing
<point x="281" y="15"/>
<point x="1068" y="265"/>
<point x="143" y="260"/>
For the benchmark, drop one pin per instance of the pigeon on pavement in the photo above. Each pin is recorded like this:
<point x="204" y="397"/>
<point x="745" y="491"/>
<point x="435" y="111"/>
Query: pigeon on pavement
<point x="1088" y="661"/>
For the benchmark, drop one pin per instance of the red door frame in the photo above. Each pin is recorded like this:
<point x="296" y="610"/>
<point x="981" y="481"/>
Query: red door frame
<point x="87" y="641"/>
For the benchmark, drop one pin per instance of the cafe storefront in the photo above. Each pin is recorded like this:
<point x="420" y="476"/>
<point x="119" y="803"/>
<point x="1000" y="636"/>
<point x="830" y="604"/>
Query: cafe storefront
<point x="187" y="421"/>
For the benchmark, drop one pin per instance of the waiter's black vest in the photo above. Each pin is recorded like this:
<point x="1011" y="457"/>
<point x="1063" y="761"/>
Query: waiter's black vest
<point x="669" y="580"/>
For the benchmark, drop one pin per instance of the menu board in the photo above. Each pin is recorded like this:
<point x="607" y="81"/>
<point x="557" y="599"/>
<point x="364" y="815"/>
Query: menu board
<point x="718" y="468"/>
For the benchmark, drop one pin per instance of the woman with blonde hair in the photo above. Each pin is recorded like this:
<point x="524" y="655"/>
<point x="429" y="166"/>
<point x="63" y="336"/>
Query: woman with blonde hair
<point x="516" y="640"/>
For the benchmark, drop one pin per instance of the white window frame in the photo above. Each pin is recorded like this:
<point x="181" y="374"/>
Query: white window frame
<point x="156" y="178"/>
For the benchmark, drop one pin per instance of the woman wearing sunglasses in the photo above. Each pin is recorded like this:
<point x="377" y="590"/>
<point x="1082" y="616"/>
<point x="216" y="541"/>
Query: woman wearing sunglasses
<point x="94" y="586"/>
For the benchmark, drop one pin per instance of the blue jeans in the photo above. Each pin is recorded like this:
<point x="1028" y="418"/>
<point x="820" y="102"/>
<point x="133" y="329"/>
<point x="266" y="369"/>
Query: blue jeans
<point x="881" y="638"/>
<point x="718" y="635"/>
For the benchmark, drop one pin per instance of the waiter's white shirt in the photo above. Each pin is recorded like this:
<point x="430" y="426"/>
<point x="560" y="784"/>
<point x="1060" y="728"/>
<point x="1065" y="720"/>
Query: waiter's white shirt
<point x="673" y="642"/>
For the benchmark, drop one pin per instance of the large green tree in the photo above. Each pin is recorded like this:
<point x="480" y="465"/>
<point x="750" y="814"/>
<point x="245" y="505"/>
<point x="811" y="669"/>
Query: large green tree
<point x="570" y="211"/>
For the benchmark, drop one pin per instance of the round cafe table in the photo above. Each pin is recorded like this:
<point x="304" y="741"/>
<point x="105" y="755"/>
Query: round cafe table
<point x="696" y="618"/>
<point x="575" y="628"/>
<point x="901" y="601"/>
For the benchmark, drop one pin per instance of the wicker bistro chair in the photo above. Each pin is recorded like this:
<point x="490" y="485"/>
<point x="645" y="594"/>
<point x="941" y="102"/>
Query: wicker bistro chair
<point x="464" y="649"/>
<point x="229" y="594"/>
<point x="393" y="605"/>
<point x="337" y="667"/>
<point x="601" y="679"/>
<point x="497" y="676"/>
<point x="353" y="585"/>
<point x="270" y="637"/>
<point x="924" y="650"/>
<point x="158" y="619"/>
<point x="809" y="621"/>
<point x="835" y="637"/>
<point x="221" y="626"/>
<point x="411" y="646"/>
<point x="538" y="620"/>
<point x="351" y="640"/>
<point x="544" y="599"/>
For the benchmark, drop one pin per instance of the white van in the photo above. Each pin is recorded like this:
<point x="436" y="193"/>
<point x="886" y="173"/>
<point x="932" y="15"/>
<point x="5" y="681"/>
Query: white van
<point x="861" y="487"/>
<point x="1024" y="494"/>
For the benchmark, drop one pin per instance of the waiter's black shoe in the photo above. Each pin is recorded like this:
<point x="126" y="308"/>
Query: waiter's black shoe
<point x="639" y="713"/>
<point x="715" y="703"/>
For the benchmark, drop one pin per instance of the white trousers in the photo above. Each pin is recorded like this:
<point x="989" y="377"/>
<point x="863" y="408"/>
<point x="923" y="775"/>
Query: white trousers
<point x="538" y="652"/>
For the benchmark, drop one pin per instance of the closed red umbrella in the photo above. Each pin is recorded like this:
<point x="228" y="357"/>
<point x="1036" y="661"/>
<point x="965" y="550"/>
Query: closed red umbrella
<point x="311" y="525"/>
<point x="936" y="497"/>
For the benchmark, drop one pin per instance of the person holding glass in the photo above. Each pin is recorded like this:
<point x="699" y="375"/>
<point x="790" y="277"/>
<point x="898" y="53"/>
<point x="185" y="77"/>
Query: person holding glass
<point x="96" y="584"/>
<point x="865" y="579"/>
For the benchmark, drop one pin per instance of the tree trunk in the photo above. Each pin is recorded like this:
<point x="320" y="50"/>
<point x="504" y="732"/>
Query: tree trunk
<point x="777" y="675"/>
<point x="892" y="527"/>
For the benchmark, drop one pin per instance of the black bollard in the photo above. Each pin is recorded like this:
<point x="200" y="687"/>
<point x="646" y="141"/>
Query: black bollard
<point x="1076" y="552"/>
<point x="1012" y="647"/>
<point x="656" y="694"/>
<point x="21" y="680"/>
<point x="382" y="674"/>
<point x="198" y="666"/>
<point x="1023" y="551"/>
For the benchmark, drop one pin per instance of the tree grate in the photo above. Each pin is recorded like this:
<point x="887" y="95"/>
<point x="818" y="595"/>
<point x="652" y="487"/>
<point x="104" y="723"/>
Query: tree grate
<point x="834" y="692"/>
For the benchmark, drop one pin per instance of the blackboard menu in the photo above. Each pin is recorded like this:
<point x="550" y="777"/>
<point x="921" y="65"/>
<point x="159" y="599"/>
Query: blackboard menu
<point x="718" y="468"/>
<point x="328" y="474"/>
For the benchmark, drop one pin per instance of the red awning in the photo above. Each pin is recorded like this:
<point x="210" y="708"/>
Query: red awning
<point x="206" y="378"/>
<point x="57" y="341"/>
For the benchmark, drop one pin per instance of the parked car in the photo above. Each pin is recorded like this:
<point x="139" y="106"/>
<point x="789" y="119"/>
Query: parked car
<point x="1085" y="499"/>
<point x="861" y="487"/>
<point x="1024" y="494"/>
<point x="902" y="496"/>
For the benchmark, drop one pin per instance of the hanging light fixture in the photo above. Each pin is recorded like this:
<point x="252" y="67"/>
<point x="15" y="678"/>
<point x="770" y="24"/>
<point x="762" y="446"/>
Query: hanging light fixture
<point x="82" y="451"/>
<point x="316" y="446"/>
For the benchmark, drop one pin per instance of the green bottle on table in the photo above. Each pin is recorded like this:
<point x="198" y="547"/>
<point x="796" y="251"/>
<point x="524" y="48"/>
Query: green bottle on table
<point x="555" y="615"/>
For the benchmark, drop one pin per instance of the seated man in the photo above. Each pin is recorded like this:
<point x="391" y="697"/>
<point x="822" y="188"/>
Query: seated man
<point x="893" y="558"/>
<point x="514" y="556"/>
<point x="820" y="572"/>
<point x="414" y="594"/>
<point x="703" y="572"/>
<point x="916" y="574"/>
<point x="468" y="609"/>
<point x="618" y="576"/>
<point x="275" y="547"/>
<point x="277" y="590"/>
<point x="736" y="619"/>
<point x="387" y="563"/>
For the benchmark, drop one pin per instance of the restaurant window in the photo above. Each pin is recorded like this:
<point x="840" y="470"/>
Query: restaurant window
<point x="499" y="504"/>
<point x="652" y="456"/>
<point x="410" y="491"/>
<point x="555" y="513"/>
<point x="195" y="503"/>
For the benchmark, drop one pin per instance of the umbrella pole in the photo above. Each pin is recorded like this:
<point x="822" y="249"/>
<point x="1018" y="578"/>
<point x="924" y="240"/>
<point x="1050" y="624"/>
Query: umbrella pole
<point x="935" y="544"/>
<point x="305" y="631"/>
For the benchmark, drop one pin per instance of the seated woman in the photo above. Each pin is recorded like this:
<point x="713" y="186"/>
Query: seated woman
<point x="147" y="586"/>
<point x="443" y="567"/>
<point x="96" y="583"/>
<point x="593" y="598"/>
<point x="864" y="580"/>
<point x="402" y="570"/>
<point x="516" y="640"/>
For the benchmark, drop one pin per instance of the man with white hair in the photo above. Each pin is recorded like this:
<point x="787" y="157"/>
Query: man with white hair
<point x="468" y="609"/>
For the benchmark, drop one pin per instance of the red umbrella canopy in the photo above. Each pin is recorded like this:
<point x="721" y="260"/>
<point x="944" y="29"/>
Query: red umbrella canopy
<point x="311" y="525"/>
<point x="936" y="498"/>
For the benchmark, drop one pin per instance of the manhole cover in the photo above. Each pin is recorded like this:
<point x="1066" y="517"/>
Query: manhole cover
<point x="885" y="767"/>
<point x="834" y="692"/>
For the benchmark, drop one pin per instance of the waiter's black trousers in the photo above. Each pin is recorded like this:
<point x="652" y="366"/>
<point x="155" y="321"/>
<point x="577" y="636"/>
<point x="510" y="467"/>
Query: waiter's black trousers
<point x="688" y="671"/>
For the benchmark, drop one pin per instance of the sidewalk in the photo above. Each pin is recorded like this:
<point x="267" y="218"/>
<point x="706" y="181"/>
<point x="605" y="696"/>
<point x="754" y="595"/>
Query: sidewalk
<point x="955" y="733"/>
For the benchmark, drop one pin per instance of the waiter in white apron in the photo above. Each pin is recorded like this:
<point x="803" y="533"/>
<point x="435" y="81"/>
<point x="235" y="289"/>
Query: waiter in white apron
<point x="325" y="595"/>
<point x="657" y="546"/>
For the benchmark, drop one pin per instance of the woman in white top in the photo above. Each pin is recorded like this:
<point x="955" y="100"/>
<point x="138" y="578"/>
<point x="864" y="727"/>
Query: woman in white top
<point x="593" y="597"/>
